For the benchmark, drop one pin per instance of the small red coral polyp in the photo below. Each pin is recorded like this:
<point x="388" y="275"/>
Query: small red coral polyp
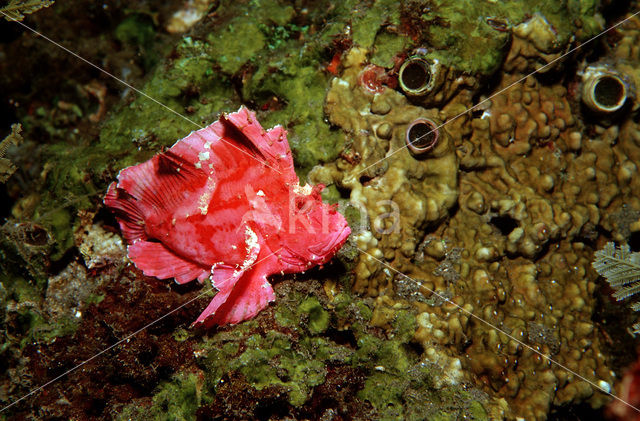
<point x="334" y="64"/>
<point x="375" y="79"/>
<point x="225" y="205"/>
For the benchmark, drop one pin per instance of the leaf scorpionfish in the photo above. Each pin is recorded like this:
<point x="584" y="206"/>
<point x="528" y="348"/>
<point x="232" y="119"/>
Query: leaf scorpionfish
<point x="225" y="205"/>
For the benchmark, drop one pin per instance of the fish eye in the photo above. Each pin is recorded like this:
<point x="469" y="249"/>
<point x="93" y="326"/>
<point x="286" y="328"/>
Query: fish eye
<point x="304" y="205"/>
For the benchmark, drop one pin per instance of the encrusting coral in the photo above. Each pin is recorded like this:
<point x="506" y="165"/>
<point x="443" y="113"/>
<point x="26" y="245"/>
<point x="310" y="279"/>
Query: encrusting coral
<point x="521" y="181"/>
<point x="399" y="194"/>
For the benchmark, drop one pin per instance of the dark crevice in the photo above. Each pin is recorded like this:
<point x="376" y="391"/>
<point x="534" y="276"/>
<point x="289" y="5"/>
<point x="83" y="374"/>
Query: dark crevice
<point x="504" y="223"/>
<point x="634" y="241"/>
<point x="342" y="337"/>
<point x="69" y="256"/>
<point x="365" y="178"/>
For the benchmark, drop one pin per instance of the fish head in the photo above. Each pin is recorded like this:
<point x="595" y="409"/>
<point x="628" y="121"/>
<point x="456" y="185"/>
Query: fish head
<point x="315" y="230"/>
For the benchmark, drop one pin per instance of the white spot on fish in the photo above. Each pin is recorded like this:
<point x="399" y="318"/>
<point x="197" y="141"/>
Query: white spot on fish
<point x="252" y="244"/>
<point x="305" y="190"/>
<point x="252" y="240"/>
<point x="205" y="198"/>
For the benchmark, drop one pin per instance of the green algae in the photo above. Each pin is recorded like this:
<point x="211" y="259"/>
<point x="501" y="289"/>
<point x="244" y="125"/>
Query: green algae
<point x="180" y="335"/>
<point x="186" y="85"/>
<point x="42" y="330"/>
<point x="175" y="400"/>
<point x="273" y="359"/>
<point x="367" y="21"/>
<point x="296" y="368"/>
<point x="398" y="383"/>
<point x="31" y="325"/>
<point x="59" y="222"/>
<point x="136" y="29"/>
<point x="354" y="313"/>
<point x="318" y="317"/>
<point x="461" y="37"/>
<point x="415" y="396"/>
<point x="297" y="83"/>
<point x="230" y="48"/>
<point x="404" y="325"/>
<point x="387" y="46"/>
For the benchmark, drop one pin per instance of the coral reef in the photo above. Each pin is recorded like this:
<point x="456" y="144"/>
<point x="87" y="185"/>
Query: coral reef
<point x="524" y="180"/>
<point x="402" y="195"/>
<point x="505" y="211"/>
<point x="494" y="210"/>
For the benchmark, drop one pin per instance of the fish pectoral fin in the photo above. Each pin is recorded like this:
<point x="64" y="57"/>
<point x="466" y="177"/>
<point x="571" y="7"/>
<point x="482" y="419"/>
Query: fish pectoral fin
<point x="129" y="215"/>
<point x="238" y="299"/>
<point x="242" y="292"/>
<point x="154" y="259"/>
<point x="159" y="185"/>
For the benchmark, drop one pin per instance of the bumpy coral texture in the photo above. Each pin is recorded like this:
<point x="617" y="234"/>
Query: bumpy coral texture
<point x="499" y="221"/>
<point x="225" y="204"/>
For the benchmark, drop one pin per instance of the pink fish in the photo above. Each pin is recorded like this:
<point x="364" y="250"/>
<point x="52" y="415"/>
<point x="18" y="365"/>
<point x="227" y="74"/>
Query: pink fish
<point x="225" y="204"/>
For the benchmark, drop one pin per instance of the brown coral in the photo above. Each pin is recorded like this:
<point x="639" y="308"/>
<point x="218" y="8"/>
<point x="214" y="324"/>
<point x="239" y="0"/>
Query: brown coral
<point x="518" y="193"/>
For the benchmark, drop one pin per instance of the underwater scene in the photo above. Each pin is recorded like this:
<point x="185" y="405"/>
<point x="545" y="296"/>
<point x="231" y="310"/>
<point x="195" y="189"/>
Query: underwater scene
<point x="295" y="210"/>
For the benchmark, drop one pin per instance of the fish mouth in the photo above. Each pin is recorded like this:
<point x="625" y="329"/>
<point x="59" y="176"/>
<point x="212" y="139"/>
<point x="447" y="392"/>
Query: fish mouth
<point x="322" y="251"/>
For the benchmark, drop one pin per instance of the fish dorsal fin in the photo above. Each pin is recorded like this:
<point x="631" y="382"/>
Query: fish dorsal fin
<point x="237" y="134"/>
<point x="271" y="145"/>
<point x="231" y="131"/>
<point x="171" y="164"/>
